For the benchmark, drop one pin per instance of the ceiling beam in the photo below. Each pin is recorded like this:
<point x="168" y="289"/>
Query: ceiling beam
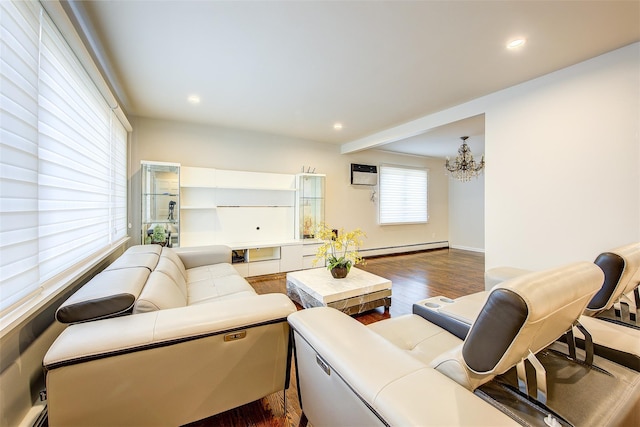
<point x="418" y="126"/>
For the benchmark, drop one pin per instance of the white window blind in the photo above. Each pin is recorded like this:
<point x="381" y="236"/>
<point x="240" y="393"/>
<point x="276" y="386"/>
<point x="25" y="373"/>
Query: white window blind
<point x="403" y="195"/>
<point x="63" y="158"/>
<point x="74" y="159"/>
<point x="19" y="53"/>
<point x="118" y="192"/>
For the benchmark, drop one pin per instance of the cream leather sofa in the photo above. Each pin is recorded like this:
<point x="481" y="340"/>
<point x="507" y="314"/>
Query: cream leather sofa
<point x="165" y="337"/>
<point x="621" y="267"/>
<point x="406" y="371"/>
<point x="615" y="336"/>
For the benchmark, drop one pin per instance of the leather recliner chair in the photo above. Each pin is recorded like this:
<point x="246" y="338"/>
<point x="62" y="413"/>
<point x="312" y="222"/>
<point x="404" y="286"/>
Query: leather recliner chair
<point x="408" y="371"/>
<point x="613" y="337"/>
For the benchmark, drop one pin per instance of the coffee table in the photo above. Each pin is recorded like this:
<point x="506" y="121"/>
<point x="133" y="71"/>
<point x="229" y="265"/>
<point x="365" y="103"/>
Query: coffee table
<point x="360" y="291"/>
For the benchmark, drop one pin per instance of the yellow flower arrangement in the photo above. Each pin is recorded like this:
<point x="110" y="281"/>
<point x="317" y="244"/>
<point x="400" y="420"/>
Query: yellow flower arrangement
<point x="335" y="249"/>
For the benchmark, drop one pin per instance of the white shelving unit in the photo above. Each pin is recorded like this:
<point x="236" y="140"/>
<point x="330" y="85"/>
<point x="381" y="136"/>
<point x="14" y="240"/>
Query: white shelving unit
<point x="235" y="206"/>
<point x="160" y="200"/>
<point x="310" y="189"/>
<point x="255" y="213"/>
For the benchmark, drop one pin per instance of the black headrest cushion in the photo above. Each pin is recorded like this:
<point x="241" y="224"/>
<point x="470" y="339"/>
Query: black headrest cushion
<point x="612" y="265"/>
<point x="497" y="325"/>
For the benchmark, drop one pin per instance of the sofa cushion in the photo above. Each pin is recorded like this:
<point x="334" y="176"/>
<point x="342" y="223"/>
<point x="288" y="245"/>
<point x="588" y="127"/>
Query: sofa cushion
<point x="173" y="257"/>
<point x="159" y="293"/>
<point x="133" y="259"/>
<point x="237" y="295"/>
<point x="209" y="272"/>
<point x="144" y="249"/>
<point x="204" y="255"/>
<point x="213" y="288"/>
<point x="416" y="336"/>
<point x="168" y="267"/>
<point x="108" y="294"/>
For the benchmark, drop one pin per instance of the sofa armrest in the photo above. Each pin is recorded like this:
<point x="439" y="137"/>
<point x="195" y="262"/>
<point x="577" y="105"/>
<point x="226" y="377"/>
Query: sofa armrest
<point x="169" y="367"/>
<point x="366" y="380"/>
<point x="139" y="332"/>
<point x="204" y="255"/>
<point x="453" y="315"/>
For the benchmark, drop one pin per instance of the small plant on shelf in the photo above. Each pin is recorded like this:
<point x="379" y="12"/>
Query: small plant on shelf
<point x="157" y="235"/>
<point x="340" y="249"/>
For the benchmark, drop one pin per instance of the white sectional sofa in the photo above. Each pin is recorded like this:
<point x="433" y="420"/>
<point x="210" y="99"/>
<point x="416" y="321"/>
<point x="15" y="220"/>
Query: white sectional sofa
<point x="407" y="371"/>
<point x="166" y="337"/>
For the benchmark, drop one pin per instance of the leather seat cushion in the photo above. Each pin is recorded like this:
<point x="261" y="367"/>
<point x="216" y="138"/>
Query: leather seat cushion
<point x="217" y="287"/>
<point x="418" y="337"/>
<point x="210" y="272"/>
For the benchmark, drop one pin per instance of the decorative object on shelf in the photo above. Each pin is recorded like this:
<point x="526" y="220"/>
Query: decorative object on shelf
<point x="157" y="235"/>
<point x="464" y="167"/>
<point x="339" y="249"/>
<point x="172" y="206"/>
<point x="307" y="227"/>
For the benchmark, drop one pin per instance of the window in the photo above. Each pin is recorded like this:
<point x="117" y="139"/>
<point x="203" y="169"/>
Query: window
<point x="62" y="159"/>
<point x="403" y="195"/>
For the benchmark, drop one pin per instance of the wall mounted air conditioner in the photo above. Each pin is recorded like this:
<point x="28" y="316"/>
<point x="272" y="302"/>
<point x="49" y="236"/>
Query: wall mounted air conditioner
<point x="364" y="174"/>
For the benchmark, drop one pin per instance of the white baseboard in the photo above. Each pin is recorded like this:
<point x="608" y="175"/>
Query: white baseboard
<point x="467" y="248"/>
<point x="403" y="248"/>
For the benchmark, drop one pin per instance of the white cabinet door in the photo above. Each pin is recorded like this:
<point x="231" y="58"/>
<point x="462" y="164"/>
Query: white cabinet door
<point x="260" y="268"/>
<point x="291" y="258"/>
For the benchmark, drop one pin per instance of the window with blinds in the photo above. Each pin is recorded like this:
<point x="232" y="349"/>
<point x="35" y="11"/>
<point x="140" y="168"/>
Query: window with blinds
<point x="62" y="158"/>
<point x="403" y="195"/>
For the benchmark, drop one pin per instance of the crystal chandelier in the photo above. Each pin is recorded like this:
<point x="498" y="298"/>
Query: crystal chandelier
<point x="463" y="168"/>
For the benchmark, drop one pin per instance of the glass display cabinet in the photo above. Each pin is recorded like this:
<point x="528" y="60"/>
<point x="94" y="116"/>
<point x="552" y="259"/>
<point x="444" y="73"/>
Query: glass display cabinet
<point x="160" y="203"/>
<point x="310" y="204"/>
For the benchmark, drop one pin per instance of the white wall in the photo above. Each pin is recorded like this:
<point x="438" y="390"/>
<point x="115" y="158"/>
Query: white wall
<point x="562" y="179"/>
<point x="466" y="214"/>
<point x="346" y="205"/>
<point x="562" y="151"/>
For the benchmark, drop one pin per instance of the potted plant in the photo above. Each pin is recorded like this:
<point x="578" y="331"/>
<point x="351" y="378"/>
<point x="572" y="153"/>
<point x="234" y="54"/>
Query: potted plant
<point x="339" y="249"/>
<point x="158" y="235"/>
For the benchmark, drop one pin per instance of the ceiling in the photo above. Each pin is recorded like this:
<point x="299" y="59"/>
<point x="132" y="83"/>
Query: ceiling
<point x="294" y="68"/>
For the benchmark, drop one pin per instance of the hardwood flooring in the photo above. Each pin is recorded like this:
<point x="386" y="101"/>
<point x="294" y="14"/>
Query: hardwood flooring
<point x="415" y="276"/>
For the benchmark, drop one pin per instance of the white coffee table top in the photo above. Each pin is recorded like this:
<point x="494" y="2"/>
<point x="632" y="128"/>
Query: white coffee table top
<point x="318" y="283"/>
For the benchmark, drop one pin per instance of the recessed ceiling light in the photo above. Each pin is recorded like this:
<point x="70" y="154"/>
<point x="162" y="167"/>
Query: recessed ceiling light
<point x="193" y="99"/>
<point x="337" y="126"/>
<point x="515" y="43"/>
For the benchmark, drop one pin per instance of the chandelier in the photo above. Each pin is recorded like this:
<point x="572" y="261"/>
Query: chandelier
<point x="463" y="168"/>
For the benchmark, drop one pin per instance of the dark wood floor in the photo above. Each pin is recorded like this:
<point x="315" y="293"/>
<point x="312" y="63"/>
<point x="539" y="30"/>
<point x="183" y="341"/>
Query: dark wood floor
<point x="447" y="272"/>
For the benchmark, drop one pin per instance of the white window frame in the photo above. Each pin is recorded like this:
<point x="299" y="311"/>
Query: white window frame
<point x="403" y="195"/>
